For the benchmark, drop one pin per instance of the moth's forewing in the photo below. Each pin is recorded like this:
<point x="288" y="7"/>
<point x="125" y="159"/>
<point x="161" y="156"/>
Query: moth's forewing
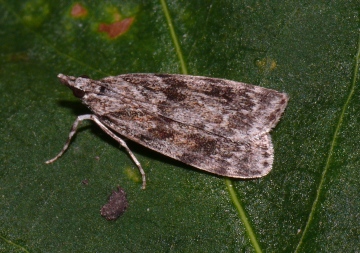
<point x="231" y="109"/>
<point x="195" y="146"/>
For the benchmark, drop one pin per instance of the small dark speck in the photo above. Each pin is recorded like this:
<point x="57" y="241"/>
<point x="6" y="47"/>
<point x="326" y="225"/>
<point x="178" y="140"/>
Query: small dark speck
<point x="85" y="182"/>
<point x="116" y="205"/>
<point x="102" y="90"/>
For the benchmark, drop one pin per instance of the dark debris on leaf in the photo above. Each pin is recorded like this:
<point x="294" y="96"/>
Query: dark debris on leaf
<point x="116" y="205"/>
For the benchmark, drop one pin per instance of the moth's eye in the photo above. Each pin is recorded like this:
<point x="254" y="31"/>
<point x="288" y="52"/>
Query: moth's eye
<point x="77" y="92"/>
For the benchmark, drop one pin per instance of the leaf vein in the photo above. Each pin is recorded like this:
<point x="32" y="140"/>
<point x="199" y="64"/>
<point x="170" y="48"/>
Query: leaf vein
<point x="332" y="146"/>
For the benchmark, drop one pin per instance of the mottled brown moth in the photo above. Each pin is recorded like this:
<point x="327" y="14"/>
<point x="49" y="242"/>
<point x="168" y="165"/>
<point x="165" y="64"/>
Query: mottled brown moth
<point x="216" y="125"/>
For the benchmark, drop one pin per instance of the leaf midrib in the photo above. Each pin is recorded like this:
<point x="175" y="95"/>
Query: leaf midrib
<point x="174" y="37"/>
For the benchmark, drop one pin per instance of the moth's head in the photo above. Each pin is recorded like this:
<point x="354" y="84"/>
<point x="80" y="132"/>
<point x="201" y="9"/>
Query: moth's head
<point x="76" y="84"/>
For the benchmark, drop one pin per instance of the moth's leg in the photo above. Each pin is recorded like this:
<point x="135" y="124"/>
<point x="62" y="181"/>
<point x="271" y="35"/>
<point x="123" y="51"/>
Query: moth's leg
<point x="71" y="134"/>
<point x="123" y="144"/>
<point x="106" y="130"/>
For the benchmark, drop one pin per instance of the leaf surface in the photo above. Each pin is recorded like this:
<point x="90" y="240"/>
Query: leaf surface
<point x="308" y="203"/>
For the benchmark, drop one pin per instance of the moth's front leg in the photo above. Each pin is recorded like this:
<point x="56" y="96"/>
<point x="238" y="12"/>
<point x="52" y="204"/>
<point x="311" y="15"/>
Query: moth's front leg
<point x="106" y="130"/>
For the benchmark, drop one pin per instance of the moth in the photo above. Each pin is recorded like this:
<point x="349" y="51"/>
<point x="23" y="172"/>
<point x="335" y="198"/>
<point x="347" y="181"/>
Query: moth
<point x="216" y="125"/>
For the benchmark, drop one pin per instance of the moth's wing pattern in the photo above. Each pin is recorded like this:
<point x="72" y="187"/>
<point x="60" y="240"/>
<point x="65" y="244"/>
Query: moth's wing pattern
<point x="189" y="118"/>
<point x="243" y="159"/>
<point x="231" y="109"/>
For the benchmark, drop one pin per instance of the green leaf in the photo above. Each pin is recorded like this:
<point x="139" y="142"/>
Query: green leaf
<point x="308" y="203"/>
